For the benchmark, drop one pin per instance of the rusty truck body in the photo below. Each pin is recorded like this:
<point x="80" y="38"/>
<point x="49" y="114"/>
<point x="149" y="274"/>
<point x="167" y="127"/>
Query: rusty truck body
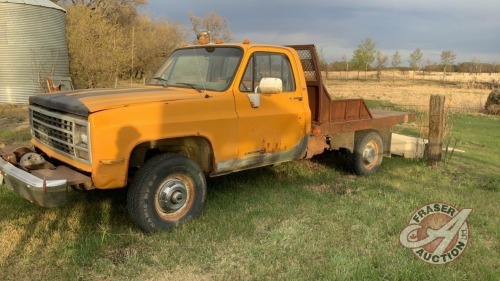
<point x="209" y="110"/>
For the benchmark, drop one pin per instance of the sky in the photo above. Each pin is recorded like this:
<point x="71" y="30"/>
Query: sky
<point x="470" y="28"/>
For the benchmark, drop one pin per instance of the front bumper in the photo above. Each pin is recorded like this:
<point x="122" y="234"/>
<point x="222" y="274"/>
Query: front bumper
<point x="46" y="193"/>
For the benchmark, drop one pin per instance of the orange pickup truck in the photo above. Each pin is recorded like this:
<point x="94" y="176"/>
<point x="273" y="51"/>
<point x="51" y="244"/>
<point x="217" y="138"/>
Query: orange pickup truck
<point x="209" y="110"/>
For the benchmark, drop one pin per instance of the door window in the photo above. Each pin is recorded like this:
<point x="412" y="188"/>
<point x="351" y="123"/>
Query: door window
<point x="267" y="65"/>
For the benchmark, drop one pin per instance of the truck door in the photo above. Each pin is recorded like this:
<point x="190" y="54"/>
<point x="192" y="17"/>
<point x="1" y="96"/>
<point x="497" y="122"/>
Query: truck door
<point x="276" y="130"/>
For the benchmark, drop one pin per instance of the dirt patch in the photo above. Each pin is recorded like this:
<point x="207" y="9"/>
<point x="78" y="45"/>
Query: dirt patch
<point x="13" y="117"/>
<point x="14" y="125"/>
<point x="337" y="188"/>
<point x="121" y="255"/>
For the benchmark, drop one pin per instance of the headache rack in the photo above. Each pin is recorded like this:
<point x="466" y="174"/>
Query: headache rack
<point x="339" y="115"/>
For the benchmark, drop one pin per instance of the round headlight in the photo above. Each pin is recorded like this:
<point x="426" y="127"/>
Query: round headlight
<point x="84" y="138"/>
<point x="81" y="135"/>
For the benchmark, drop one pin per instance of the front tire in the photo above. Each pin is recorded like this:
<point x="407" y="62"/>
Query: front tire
<point x="166" y="191"/>
<point x="368" y="150"/>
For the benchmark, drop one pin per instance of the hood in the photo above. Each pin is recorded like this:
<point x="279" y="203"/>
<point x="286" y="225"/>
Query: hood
<point x="84" y="102"/>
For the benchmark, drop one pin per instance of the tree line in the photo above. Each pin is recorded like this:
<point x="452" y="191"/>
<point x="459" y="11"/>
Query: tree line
<point x="109" y="40"/>
<point x="366" y="58"/>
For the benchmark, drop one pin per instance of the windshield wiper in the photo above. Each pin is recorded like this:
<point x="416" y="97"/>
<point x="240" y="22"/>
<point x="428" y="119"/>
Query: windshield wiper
<point x="163" y="81"/>
<point x="193" y="86"/>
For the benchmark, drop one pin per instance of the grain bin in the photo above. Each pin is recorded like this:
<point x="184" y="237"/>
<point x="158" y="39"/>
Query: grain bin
<point x="32" y="47"/>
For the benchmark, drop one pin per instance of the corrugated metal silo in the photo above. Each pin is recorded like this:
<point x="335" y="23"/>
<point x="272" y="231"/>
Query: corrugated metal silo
<point x="32" y="47"/>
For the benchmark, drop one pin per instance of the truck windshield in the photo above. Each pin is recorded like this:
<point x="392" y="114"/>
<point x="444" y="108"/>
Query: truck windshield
<point x="205" y="68"/>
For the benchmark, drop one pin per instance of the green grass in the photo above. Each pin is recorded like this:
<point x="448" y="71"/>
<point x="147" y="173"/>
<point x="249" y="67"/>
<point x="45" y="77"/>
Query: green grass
<point x="15" y="136"/>
<point x="304" y="220"/>
<point x="479" y="137"/>
<point x="14" y="128"/>
<point x="383" y="104"/>
<point x="409" y="129"/>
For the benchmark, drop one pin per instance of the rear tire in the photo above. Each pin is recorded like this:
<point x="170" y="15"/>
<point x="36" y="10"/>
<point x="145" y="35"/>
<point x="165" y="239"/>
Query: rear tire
<point x="166" y="191"/>
<point x="368" y="150"/>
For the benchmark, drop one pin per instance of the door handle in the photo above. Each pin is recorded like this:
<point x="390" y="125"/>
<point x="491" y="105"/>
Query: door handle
<point x="296" y="98"/>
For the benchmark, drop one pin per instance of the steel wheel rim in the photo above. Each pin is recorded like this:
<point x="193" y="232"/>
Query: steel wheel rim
<point x="370" y="154"/>
<point x="174" y="197"/>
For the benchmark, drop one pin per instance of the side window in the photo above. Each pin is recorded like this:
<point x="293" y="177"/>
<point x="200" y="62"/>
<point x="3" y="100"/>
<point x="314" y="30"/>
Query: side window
<point x="267" y="65"/>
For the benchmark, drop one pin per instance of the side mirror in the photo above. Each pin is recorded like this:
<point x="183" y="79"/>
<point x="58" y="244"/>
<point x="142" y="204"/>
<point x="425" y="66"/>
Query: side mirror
<point x="267" y="85"/>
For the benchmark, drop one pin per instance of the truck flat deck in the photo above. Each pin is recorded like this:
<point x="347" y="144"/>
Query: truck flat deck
<point x="332" y="116"/>
<point x="379" y="119"/>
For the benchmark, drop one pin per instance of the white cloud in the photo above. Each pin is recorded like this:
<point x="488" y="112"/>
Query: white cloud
<point x="467" y="27"/>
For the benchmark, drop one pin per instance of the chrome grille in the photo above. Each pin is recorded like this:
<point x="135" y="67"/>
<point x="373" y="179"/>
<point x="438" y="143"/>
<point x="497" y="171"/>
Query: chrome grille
<point x="54" y="132"/>
<point x="57" y="131"/>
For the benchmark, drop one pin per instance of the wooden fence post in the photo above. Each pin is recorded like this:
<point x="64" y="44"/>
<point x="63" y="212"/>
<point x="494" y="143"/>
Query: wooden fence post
<point x="436" y="129"/>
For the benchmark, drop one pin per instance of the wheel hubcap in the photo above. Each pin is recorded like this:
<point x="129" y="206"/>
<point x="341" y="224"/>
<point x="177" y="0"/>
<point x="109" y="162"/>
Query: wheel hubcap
<point x="370" y="154"/>
<point x="172" y="195"/>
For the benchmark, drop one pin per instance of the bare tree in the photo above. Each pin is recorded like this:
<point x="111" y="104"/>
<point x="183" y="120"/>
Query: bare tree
<point x="154" y="41"/>
<point x="98" y="48"/>
<point x="428" y="66"/>
<point x="477" y="66"/>
<point x="395" y="62"/>
<point x="447" y="60"/>
<point x="494" y="66"/>
<point x="108" y="40"/>
<point x="215" y="25"/>
<point x="323" y="64"/>
<point x="364" y="55"/>
<point x="101" y="4"/>
<point x="122" y="12"/>
<point x="415" y="60"/>
<point x="422" y="67"/>
<point x="345" y="61"/>
<point x="381" y="63"/>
